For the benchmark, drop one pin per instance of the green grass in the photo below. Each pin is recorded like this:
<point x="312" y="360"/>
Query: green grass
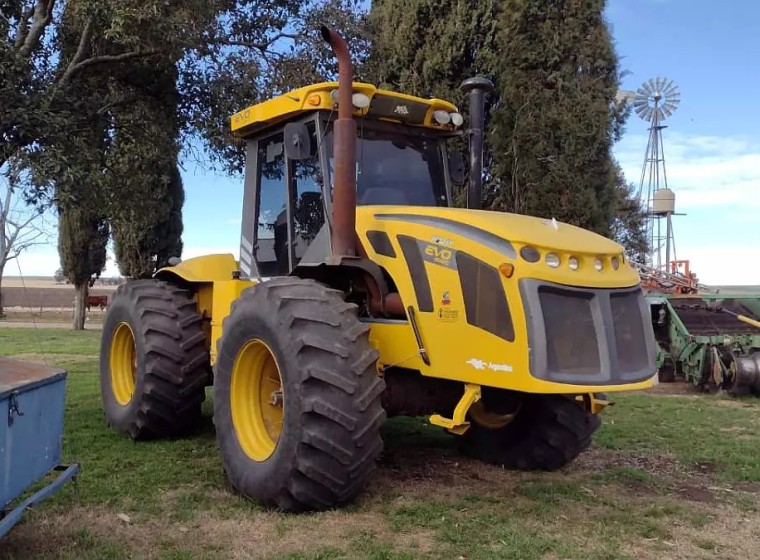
<point x="426" y="503"/>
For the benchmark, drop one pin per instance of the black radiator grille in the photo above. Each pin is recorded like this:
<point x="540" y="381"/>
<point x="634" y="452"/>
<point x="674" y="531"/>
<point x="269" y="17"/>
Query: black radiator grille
<point x="572" y="341"/>
<point x="630" y="341"/>
<point x="588" y="335"/>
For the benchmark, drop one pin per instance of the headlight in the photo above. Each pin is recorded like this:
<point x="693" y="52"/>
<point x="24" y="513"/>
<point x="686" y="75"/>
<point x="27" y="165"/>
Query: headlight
<point x="573" y="263"/>
<point x="442" y="117"/>
<point x="615" y="263"/>
<point x="360" y="100"/>
<point x="457" y="119"/>
<point x="552" y="260"/>
<point x="530" y="254"/>
<point x="598" y="264"/>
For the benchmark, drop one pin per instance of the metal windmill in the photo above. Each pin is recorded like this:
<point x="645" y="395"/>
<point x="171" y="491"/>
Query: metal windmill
<point x="656" y="100"/>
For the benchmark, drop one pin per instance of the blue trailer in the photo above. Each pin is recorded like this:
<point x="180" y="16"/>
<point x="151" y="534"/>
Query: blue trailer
<point x="32" y="402"/>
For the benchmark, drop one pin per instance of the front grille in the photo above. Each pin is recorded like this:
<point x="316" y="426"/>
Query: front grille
<point x="570" y="332"/>
<point x="588" y="336"/>
<point x="630" y="340"/>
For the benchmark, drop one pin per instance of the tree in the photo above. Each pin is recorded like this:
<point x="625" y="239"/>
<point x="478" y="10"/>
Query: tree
<point x="553" y="117"/>
<point x="146" y="188"/>
<point x="21" y="227"/>
<point x="82" y="240"/>
<point x="211" y="58"/>
<point x="417" y="51"/>
<point x="558" y="116"/>
<point x="629" y="222"/>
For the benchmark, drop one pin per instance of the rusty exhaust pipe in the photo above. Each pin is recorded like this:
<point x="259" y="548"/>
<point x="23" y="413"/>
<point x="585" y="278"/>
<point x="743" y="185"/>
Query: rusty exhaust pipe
<point x="344" y="150"/>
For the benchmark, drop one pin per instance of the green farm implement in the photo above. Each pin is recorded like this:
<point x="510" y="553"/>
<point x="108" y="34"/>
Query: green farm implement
<point x="712" y="340"/>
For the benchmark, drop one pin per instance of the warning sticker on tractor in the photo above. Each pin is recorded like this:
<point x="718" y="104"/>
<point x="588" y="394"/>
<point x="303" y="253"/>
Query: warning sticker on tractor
<point x="448" y="314"/>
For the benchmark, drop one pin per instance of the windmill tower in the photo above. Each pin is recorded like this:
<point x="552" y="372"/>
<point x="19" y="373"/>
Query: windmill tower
<point x="655" y="101"/>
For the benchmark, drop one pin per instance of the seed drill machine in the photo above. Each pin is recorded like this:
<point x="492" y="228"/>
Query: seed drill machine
<point x="362" y="293"/>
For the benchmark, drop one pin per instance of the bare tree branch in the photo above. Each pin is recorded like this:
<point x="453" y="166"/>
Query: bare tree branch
<point x="43" y="14"/>
<point x="263" y="46"/>
<point x="105" y="59"/>
<point x="19" y="229"/>
<point x="23" y="26"/>
<point x="81" y="49"/>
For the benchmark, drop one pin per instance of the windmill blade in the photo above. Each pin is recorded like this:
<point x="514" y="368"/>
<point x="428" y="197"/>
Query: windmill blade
<point x="641" y="95"/>
<point x="666" y="112"/>
<point x="641" y="103"/>
<point x="671" y="106"/>
<point x="640" y="108"/>
<point x="670" y="87"/>
<point x="647" y="87"/>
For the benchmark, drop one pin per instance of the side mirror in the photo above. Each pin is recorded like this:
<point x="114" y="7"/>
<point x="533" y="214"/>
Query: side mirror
<point x="297" y="141"/>
<point x="457" y="170"/>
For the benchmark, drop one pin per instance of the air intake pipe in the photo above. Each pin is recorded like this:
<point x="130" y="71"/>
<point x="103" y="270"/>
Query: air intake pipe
<point x="477" y="87"/>
<point x="344" y="149"/>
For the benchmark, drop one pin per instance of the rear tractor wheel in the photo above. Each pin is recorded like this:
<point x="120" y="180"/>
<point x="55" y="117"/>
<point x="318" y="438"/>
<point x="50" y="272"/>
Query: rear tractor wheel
<point x="154" y="364"/>
<point x="297" y="397"/>
<point x="531" y="432"/>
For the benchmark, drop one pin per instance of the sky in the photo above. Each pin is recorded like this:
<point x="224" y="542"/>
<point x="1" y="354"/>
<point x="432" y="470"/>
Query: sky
<point x="712" y="143"/>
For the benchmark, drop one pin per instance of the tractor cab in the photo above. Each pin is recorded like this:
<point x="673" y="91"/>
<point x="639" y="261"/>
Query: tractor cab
<point x="401" y="159"/>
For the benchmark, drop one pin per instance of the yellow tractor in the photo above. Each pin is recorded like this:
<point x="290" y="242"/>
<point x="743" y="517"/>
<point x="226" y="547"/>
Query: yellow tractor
<point x="362" y="293"/>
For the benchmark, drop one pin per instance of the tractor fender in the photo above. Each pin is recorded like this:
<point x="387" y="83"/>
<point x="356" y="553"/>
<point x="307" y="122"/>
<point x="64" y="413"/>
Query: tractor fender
<point x="204" y="269"/>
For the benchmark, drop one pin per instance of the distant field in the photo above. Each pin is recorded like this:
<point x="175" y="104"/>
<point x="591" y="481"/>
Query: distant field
<point x="43" y="282"/>
<point x="45" y="298"/>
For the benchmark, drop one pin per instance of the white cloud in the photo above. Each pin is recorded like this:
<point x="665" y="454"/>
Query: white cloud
<point x="717" y="184"/>
<point x="702" y="170"/>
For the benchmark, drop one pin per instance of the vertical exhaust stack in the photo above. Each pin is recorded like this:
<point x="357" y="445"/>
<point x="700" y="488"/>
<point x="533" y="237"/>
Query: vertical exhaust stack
<point x="344" y="150"/>
<point x="477" y="87"/>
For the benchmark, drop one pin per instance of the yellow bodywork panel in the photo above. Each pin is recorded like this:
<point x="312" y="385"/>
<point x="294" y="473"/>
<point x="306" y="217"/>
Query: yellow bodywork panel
<point x="215" y="287"/>
<point x="457" y="350"/>
<point x="319" y="97"/>
<point x="208" y="268"/>
<point x="224" y="293"/>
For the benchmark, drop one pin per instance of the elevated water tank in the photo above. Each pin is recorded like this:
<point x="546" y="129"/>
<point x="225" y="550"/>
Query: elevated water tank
<point x="664" y="202"/>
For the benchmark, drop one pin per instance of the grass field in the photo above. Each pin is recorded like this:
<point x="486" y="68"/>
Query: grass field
<point x="672" y="474"/>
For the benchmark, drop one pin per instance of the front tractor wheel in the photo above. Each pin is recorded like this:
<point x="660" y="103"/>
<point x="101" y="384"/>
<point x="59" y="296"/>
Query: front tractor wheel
<point x="297" y="397"/>
<point x="539" y="432"/>
<point x="154" y="364"/>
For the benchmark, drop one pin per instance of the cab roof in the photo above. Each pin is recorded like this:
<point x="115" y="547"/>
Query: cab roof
<point x="383" y="104"/>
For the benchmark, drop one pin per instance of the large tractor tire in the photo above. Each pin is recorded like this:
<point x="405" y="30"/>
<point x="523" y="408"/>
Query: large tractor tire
<point x="546" y="432"/>
<point x="154" y="363"/>
<point x="297" y="397"/>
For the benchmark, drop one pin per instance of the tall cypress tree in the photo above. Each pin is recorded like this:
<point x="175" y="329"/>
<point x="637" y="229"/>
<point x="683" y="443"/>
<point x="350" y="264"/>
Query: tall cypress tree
<point x="552" y="118"/>
<point x="146" y="208"/>
<point x="557" y="119"/>
<point x="82" y="240"/>
<point x="429" y="47"/>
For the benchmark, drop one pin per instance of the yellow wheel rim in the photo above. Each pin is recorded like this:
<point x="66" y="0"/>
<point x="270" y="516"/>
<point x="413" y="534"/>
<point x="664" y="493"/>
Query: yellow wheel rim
<point x="490" y="420"/>
<point x="256" y="400"/>
<point x="123" y="364"/>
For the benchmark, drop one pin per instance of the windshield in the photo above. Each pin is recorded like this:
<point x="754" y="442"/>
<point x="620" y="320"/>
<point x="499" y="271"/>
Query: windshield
<point x="396" y="168"/>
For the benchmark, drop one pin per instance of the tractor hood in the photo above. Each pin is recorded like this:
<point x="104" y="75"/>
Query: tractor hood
<point x="499" y="237"/>
<point x="517" y="229"/>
